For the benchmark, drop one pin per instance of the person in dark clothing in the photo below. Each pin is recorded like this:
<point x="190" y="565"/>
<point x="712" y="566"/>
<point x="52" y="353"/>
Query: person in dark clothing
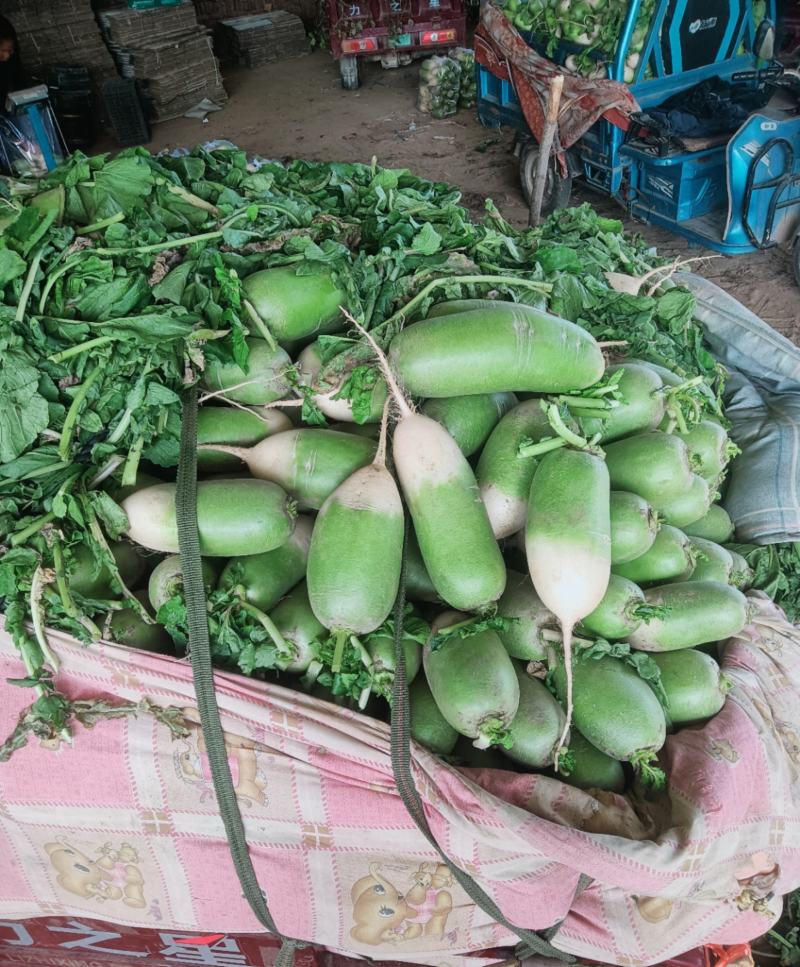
<point x="11" y="73"/>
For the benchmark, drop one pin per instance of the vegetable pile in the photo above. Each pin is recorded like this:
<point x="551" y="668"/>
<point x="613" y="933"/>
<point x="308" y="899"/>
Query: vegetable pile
<point x="439" y="86"/>
<point x="368" y="356"/>
<point x="589" y="30"/>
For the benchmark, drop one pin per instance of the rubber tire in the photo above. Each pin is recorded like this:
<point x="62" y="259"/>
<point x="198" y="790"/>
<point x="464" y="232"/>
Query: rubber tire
<point x="557" y="188"/>
<point x="348" y="69"/>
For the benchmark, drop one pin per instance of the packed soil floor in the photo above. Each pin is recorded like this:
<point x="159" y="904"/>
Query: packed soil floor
<point x="298" y="109"/>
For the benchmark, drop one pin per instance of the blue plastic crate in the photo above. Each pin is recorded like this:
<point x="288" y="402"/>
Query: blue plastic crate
<point x="497" y="101"/>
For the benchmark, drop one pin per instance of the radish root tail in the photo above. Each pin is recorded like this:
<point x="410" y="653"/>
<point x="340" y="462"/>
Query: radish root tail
<point x="567" y="647"/>
<point x="391" y="381"/>
<point x="380" y="455"/>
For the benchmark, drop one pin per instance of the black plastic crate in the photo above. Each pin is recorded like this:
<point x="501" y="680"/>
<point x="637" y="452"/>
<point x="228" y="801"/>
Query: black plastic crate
<point x="124" y="112"/>
<point x="65" y="77"/>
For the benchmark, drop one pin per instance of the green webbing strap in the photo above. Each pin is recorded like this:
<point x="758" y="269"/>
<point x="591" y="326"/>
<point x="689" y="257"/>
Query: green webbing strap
<point x="200" y="652"/>
<point x="531" y="942"/>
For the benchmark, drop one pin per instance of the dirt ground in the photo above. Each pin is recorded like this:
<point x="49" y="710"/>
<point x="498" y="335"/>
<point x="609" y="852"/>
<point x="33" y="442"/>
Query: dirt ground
<point x="297" y="108"/>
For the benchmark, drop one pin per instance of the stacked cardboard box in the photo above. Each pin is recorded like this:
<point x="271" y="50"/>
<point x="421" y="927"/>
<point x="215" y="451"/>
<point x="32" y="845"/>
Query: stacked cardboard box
<point x="56" y="32"/>
<point x="169" y="53"/>
<point x="262" y="39"/>
<point x="210" y="12"/>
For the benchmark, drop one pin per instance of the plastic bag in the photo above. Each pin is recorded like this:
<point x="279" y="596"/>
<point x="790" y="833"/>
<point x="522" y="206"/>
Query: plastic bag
<point x="20" y="152"/>
<point x="468" y="91"/>
<point x="439" y="86"/>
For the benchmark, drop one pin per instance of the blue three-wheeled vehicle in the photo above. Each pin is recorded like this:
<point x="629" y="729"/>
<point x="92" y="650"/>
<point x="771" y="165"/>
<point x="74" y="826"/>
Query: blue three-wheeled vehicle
<point x="733" y="186"/>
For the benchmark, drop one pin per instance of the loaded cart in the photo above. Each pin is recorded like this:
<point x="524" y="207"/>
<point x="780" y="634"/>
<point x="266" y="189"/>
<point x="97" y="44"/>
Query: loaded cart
<point x="708" y="144"/>
<point x="391" y="31"/>
<point x="308" y="669"/>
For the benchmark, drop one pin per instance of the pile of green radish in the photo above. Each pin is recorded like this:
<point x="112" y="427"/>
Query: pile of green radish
<point x="565" y="569"/>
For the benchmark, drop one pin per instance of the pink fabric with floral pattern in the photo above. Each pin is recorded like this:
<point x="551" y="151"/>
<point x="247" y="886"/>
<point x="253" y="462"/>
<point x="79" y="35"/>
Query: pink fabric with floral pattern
<point x="122" y="825"/>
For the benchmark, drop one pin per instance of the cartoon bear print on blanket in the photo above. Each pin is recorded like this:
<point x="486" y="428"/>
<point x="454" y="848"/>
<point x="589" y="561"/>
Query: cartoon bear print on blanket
<point x="383" y="914"/>
<point x="192" y="765"/>
<point x="113" y="875"/>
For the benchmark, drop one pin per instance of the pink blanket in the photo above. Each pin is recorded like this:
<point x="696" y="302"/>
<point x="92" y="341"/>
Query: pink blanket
<point x="122" y="825"/>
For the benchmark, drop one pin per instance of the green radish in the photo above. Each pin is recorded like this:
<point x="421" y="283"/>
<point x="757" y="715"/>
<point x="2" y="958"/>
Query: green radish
<point x="468" y="757"/>
<point x="428" y="726"/>
<point x="294" y="305"/>
<point x="694" y="685"/>
<point x="380" y="648"/>
<point x="299" y="627"/>
<point x="715" y="526"/>
<point x="670" y="558"/>
<point x="327" y="385"/>
<point x="241" y="428"/>
<point x="356" y="553"/>
<point x="741" y="573"/>
<point x="470" y="419"/>
<point x="504" y="478"/>
<point x="166" y="581"/>
<point x="233" y="517"/>
<point x="309" y="463"/>
<point x="714" y="563"/>
<point x="265" y="578"/>
<point x="634" y="526"/>
<point x="419" y="586"/>
<point x="89" y="580"/>
<point x="615" y="709"/>
<point x="142" y="480"/>
<point x="493" y="351"/>
<point x="371" y="430"/>
<point x="524" y="637"/>
<point x="668" y="378"/>
<point x="457" y="306"/>
<point x="699" y="612"/>
<point x="641" y="407"/>
<point x="710" y="448"/>
<point x="568" y="543"/>
<point x="686" y="507"/>
<point x="591" y="768"/>
<point x="654" y="465"/>
<point x="127" y="627"/>
<point x="536" y="726"/>
<point x="474" y="683"/>
<point x="453" y="531"/>
<point x="264" y="381"/>
<point x="621" y="611"/>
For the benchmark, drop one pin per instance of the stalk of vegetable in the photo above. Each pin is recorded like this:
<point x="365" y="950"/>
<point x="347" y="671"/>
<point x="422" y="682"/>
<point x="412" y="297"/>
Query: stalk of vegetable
<point x="233" y="517"/>
<point x="450" y="522"/>
<point x="356" y="552"/>
<point x="699" y="612"/>
<point x="380" y="648"/>
<point x="265" y="578"/>
<point x="568" y="544"/>
<point x="308" y="463"/>
<point x="473" y="682"/>
<point x="640" y="408"/>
